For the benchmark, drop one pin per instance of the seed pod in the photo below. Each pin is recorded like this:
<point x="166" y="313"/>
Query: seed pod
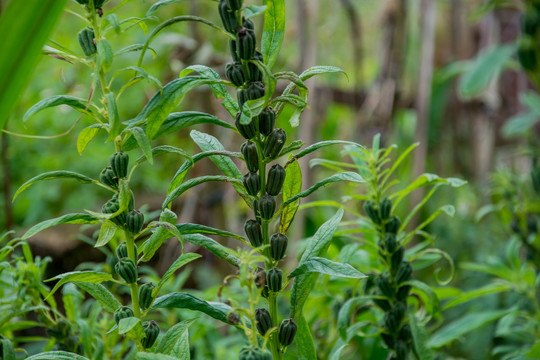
<point x="264" y="321"/>
<point x="390" y="323"/>
<point x="278" y="246"/>
<point x="372" y="211"/>
<point x="127" y="269"/>
<point x="403" y="292"/>
<point x="383" y="304"/>
<point x="254" y="232"/>
<point x="145" y="295"/>
<point x="401" y="350"/>
<point x="122" y="252"/>
<point x="241" y="94"/>
<point x="135" y="221"/>
<point x="390" y="242"/>
<point x="86" y="40"/>
<point x="112" y="206"/>
<point x="385" y="208"/>
<point x="251" y="353"/>
<point x="396" y="259"/>
<point x="151" y="330"/>
<point x="276" y="178"/>
<point x="274" y="279"/>
<point x="528" y="53"/>
<point x="248" y="131"/>
<point x="532" y="227"/>
<point x="255" y="74"/>
<point x="405" y="333"/>
<point x="251" y="156"/>
<point x="530" y="22"/>
<point x="256" y="210"/>
<point x="383" y="283"/>
<point x="255" y="90"/>
<point x="119" y="164"/>
<point x="235" y="73"/>
<point x="252" y="183"/>
<point x="398" y="310"/>
<point x="246" y="43"/>
<point x="248" y="24"/>
<point x="260" y="278"/>
<point x="265" y="292"/>
<point x="274" y="143"/>
<point x="267" y="206"/>
<point x="404" y="272"/>
<point x="232" y="49"/>
<point x="122" y="313"/>
<point x="267" y="120"/>
<point x="388" y="340"/>
<point x="235" y="4"/>
<point x="393" y="225"/>
<point x="228" y="17"/>
<point x="287" y="331"/>
<point x="107" y="177"/>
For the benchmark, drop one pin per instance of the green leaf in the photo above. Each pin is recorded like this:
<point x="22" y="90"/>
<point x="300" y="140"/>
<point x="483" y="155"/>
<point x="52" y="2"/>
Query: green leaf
<point x="128" y="324"/>
<point x="534" y="352"/>
<point x="114" y="118"/>
<point x="304" y="341"/>
<point x="86" y="135"/>
<point x="99" y="292"/>
<point x="93" y="277"/>
<point x="105" y="54"/>
<point x="64" y="219"/>
<point x="493" y="288"/>
<point x="520" y="124"/>
<point x="112" y="19"/>
<point x="320" y="70"/>
<point x="317" y="246"/>
<point x="164" y="149"/>
<point x="253" y="10"/>
<point x="159" y="4"/>
<point x="170" y="228"/>
<point x="472" y="321"/>
<point x="321" y="144"/>
<point x="207" y="230"/>
<point x="181" y="261"/>
<point x="168" y="342"/>
<point x="8" y="353"/>
<point x="153" y="356"/>
<point x="144" y="143"/>
<point x="273" y="31"/>
<point x="181" y="349"/>
<point x="420" y="338"/>
<point x="345" y="313"/>
<point x="161" y="234"/>
<point x="327" y="267"/>
<point x="214" y="247"/>
<point x="179" y="300"/>
<point x="106" y="233"/>
<point x="57" y="355"/>
<point x="60" y="174"/>
<point x="483" y="69"/>
<point x="291" y="187"/>
<point x="75" y="102"/>
<point x="28" y="25"/>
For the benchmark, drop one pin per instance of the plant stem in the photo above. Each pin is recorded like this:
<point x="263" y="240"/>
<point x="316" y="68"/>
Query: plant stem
<point x="133" y="287"/>
<point x="272" y="304"/>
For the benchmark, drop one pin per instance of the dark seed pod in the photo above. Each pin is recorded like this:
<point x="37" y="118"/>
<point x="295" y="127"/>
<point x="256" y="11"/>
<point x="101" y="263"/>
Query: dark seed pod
<point x="530" y="22"/>
<point x="122" y="313"/>
<point x="372" y="211"/>
<point x="276" y="178"/>
<point x="235" y="4"/>
<point x="267" y="120"/>
<point x="255" y="74"/>
<point x="127" y="269"/>
<point x="235" y="73"/>
<point x="119" y="164"/>
<point x="403" y="292"/>
<point x="404" y="272"/>
<point x="228" y="17"/>
<point x="255" y="90"/>
<point x="252" y="353"/>
<point x="107" y="177"/>
<point x="274" y="279"/>
<point x="388" y="340"/>
<point x="528" y="53"/>
<point x="242" y="97"/>
<point x="248" y="24"/>
<point x="265" y="292"/>
<point x="251" y="156"/>
<point x="274" y="143"/>
<point x="383" y="283"/>
<point x="398" y="311"/>
<point x="383" y="304"/>
<point x="390" y="323"/>
<point x="401" y="350"/>
<point x="278" y="246"/>
<point x="264" y="321"/>
<point x="151" y="330"/>
<point x="405" y="333"/>
<point x="390" y="242"/>
<point x="396" y="259"/>
<point x="254" y="232"/>
<point x="246" y="43"/>
<point x="256" y="210"/>
<point x="145" y="295"/>
<point x="260" y="278"/>
<point x="385" y="208"/>
<point x="232" y="49"/>
<point x="252" y="183"/>
<point x="112" y="206"/>
<point x="135" y="221"/>
<point x="393" y="225"/>
<point x="267" y="206"/>
<point x="532" y="226"/>
<point x="86" y="40"/>
<point x="287" y="331"/>
<point x="122" y="251"/>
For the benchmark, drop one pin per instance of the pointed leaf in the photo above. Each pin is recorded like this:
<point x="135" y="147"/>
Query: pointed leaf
<point x="60" y="174"/>
<point x="273" y="31"/>
<point x="327" y="267"/>
<point x="93" y="277"/>
<point x="65" y="219"/>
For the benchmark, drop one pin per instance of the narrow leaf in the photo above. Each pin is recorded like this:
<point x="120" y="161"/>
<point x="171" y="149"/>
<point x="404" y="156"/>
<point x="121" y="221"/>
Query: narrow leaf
<point x="144" y="143"/>
<point x="181" y="261"/>
<point x="65" y="219"/>
<point x="273" y="31"/>
<point x="214" y="247"/>
<point x="60" y="174"/>
<point x="92" y="277"/>
<point x="291" y="187"/>
<point x="99" y="292"/>
<point x="327" y="267"/>
<point x="72" y="101"/>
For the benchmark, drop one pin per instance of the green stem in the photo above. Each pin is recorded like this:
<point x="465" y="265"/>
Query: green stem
<point x="272" y="303"/>
<point x="133" y="287"/>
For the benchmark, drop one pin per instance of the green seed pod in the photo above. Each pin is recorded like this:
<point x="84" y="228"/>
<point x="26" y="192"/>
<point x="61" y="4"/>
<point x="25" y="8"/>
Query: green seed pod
<point x="390" y="323"/>
<point x="264" y="321"/>
<point x="372" y="211"/>
<point x="403" y="273"/>
<point x="232" y="49"/>
<point x="397" y="258"/>
<point x="82" y="2"/>
<point x="248" y="24"/>
<point x="86" y="40"/>
<point x="228" y="17"/>
<point x="252" y="183"/>
<point x="122" y="252"/>
<point x="403" y="292"/>
<point x="235" y="73"/>
<point x="255" y="74"/>
<point x="122" y="313"/>
<point x="252" y="353"/>
<point x="390" y="242"/>
<point x="265" y="292"/>
<point x="235" y="4"/>
<point x="393" y="225"/>
<point x="242" y="97"/>
<point x="135" y="221"/>
<point x="246" y="43"/>
<point x="276" y="178"/>
<point x="530" y="22"/>
<point x="405" y="333"/>
<point x="398" y="311"/>
<point x="401" y="350"/>
<point x="151" y="330"/>
<point x="388" y="340"/>
<point x="247" y="131"/>
<point x="528" y="53"/>
<point x="287" y="331"/>
<point x="274" y="143"/>
<point x="383" y="283"/>
<point x="385" y="208"/>
<point x="383" y="304"/>
<point x="107" y="177"/>
<point x="267" y="206"/>
<point x="119" y="164"/>
<point x="251" y="156"/>
<point x="274" y="279"/>
<point x="145" y="295"/>
<point x="112" y="206"/>
<point x="127" y="269"/>
<point x="255" y="90"/>
<point x="256" y="210"/>
<point x="254" y="232"/>
<point x="278" y="246"/>
<point x="267" y="120"/>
